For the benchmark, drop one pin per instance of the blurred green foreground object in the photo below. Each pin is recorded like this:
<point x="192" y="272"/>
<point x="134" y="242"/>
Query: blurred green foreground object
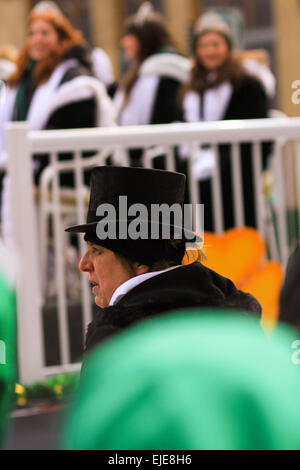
<point x="185" y="382"/>
<point x="7" y="340"/>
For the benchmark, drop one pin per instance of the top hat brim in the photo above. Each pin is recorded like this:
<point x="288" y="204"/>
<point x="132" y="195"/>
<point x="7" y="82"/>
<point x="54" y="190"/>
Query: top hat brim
<point x="188" y="235"/>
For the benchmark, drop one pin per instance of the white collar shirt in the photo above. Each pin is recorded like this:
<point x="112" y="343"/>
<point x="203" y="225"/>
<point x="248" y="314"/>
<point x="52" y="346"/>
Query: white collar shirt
<point x="127" y="286"/>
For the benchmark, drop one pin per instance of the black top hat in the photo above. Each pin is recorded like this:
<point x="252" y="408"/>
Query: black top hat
<point x="147" y="187"/>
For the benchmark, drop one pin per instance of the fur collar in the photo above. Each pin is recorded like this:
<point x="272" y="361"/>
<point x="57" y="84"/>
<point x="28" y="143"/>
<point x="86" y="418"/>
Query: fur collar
<point x="7" y="68"/>
<point x="263" y="74"/>
<point x="192" y="286"/>
<point x="168" y="65"/>
<point x="83" y="88"/>
<point x="81" y="54"/>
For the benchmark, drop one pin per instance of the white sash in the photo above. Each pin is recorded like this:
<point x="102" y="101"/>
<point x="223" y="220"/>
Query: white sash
<point x="216" y="101"/>
<point x="40" y="106"/>
<point x="7" y="101"/>
<point x="41" y="103"/>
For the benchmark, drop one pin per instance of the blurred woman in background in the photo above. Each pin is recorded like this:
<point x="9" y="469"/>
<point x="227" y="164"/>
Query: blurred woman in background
<point x="53" y="86"/>
<point x="148" y="94"/>
<point x="222" y="87"/>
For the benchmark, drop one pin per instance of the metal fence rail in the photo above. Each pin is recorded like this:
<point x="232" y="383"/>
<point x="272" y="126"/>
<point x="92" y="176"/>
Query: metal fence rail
<point x="59" y="207"/>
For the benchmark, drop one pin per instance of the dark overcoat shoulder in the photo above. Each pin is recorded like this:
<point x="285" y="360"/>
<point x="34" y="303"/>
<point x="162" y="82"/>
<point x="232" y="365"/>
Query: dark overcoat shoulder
<point x="193" y="286"/>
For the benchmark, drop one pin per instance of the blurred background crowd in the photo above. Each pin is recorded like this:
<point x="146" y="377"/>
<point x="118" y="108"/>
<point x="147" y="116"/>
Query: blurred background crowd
<point x="268" y="25"/>
<point x="73" y="64"/>
<point x="154" y="67"/>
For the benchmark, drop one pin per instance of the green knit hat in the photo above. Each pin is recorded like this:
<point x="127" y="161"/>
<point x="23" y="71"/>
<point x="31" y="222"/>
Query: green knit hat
<point x="188" y="381"/>
<point x="7" y="338"/>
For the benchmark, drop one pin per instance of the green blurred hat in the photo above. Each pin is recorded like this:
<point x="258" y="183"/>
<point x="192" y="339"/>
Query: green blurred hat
<point x="7" y="337"/>
<point x="185" y="382"/>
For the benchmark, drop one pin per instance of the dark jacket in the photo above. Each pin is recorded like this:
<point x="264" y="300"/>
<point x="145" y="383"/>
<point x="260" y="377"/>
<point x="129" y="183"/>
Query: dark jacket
<point x="165" y="111"/>
<point x="72" y="115"/>
<point x="248" y="101"/>
<point x="290" y="294"/>
<point x="166" y="107"/>
<point x="184" y="287"/>
<point x="79" y="114"/>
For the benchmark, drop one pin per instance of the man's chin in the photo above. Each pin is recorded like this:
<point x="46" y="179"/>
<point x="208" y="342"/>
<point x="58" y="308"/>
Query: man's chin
<point x="100" y="302"/>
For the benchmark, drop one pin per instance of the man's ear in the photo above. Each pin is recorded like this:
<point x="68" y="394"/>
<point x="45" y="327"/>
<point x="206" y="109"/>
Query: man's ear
<point x="141" y="269"/>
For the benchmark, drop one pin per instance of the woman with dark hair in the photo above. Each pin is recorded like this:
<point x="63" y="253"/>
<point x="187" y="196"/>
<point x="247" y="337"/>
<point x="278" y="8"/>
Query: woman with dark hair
<point x="223" y="87"/>
<point x="148" y="93"/>
<point x="217" y="71"/>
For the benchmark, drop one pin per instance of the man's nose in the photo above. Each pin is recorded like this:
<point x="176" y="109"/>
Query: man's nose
<point x="85" y="264"/>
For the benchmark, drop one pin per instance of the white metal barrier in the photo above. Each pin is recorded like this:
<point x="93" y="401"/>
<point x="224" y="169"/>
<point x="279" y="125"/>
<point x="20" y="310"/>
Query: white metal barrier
<point x="31" y="232"/>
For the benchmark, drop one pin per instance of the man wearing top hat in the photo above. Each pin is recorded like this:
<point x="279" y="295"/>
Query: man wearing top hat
<point x="137" y="277"/>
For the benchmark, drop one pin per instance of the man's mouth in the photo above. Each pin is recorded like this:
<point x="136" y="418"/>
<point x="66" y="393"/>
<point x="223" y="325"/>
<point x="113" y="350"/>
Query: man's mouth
<point x="94" y="286"/>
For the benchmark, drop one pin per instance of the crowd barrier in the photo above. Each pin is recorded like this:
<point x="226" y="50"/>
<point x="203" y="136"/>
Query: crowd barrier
<point x="37" y="220"/>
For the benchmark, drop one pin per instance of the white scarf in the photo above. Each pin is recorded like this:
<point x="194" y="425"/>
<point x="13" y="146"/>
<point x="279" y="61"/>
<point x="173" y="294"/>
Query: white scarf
<point x="40" y="105"/>
<point x="139" y="107"/>
<point x="51" y="96"/>
<point x="216" y="101"/>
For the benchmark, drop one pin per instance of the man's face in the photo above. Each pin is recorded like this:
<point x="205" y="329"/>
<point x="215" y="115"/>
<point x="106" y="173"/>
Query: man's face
<point x="106" y="272"/>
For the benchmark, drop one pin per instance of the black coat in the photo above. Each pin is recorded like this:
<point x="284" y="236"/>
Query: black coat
<point x="166" y="107"/>
<point x="74" y="115"/>
<point x="166" y="104"/>
<point x="165" y="110"/>
<point x="193" y="286"/>
<point x="290" y="294"/>
<point x="248" y="101"/>
<point x="79" y="114"/>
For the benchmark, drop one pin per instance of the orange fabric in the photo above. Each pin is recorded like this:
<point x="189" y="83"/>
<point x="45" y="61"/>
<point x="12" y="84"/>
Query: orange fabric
<point x="235" y="254"/>
<point x="265" y="284"/>
<point x="239" y="255"/>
